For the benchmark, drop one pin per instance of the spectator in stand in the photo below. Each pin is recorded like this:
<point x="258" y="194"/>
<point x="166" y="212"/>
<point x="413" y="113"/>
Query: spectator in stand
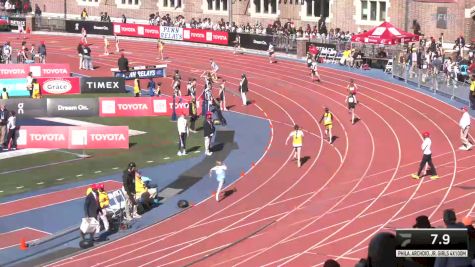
<point x="460" y="45"/>
<point x="102" y="16"/>
<point x="129" y="188"/>
<point x="4" y="114"/>
<point x="424" y="223"/>
<point x="331" y="263"/>
<point x="107" y="18"/>
<point x="84" y="14"/>
<point x="37" y="15"/>
<point x="450" y="220"/>
<point x="124" y="19"/>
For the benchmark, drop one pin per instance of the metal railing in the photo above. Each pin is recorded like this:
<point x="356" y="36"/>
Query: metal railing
<point x="434" y="80"/>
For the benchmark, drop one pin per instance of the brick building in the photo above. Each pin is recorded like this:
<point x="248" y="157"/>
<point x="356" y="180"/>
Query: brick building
<point x="451" y="17"/>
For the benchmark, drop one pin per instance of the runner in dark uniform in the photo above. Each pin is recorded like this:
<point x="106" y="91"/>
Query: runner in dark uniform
<point x="351" y="100"/>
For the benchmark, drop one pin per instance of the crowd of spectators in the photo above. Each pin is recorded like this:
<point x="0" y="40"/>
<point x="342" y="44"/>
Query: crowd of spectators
<point x="16" y="6"/>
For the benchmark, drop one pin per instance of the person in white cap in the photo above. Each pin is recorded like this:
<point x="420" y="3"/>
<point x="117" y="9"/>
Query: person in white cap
<point x="426" y="158"/>
<point x="220" y="170"/>
<point x="464" y="128"/>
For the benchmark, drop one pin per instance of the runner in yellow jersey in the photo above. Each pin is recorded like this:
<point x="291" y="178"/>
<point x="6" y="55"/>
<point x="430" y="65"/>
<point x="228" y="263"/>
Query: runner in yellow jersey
<point x="327" y="119"/>
<point x="297" y="142"/>
<point x="137" y="86"/>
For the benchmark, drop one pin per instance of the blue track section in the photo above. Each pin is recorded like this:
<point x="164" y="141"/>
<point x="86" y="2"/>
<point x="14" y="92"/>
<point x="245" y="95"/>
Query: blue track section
<point x="251" y="136"/>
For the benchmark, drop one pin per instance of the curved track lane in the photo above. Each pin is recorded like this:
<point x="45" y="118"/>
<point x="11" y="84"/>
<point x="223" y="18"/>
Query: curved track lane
<point x="331" y="206"/>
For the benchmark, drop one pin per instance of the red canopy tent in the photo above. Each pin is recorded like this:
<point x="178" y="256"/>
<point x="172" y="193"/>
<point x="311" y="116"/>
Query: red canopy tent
<point x="385" y="33"/>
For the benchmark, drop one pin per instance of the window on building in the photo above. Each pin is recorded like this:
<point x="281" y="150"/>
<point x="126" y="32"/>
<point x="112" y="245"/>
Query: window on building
<point x="317" y="8"/>
<point x="216" y="5"/>
<point x="265" y="6"/>
<point x="373" y="10"/>
<point x="175" y="4"/>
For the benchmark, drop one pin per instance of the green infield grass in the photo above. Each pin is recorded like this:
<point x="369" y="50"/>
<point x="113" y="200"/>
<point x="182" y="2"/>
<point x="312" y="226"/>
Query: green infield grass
<point x="158" y="145"/>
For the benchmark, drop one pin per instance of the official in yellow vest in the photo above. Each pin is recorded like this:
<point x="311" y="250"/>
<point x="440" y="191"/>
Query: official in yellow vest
<point x="297" y="142"/>
<point x="327" y="119"/>
<point x="141" y="187"/>
<point x="103" y="204"/>
<point x="36" y="89"/>
<point x="5" y="94"/>
<point x="137" y="86"/>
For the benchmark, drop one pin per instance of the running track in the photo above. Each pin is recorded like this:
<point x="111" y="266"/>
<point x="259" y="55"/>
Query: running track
<point x="283" y="215"/>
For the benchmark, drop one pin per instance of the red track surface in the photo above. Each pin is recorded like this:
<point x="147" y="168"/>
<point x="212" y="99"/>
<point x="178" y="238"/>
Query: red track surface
<point x="49" y="199"/>
<point x="329" y="208"/>
<point x="13" y="238"/>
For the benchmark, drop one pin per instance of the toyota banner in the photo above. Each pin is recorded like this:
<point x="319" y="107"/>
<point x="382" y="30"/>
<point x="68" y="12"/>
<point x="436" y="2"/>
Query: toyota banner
<point x="73" y="137"/>
<point x="59" y="86"/>
<point x="136" y="30"/>
<point x="37" y="70"/>
<point x="205" y="36"/>
<point x="141" y="106"/>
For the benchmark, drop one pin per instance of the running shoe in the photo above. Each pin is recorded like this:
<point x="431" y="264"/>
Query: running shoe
<point x="434" y="177"/>
<point x="415" y="176"/>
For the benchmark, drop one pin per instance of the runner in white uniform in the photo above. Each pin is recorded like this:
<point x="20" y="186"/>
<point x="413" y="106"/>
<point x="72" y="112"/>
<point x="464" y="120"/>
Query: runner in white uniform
<point x="464" y="128"/>
<point x="314" y="71"/>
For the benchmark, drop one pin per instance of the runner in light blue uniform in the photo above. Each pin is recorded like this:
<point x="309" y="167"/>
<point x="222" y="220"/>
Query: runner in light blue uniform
<point x="220" y="170"/>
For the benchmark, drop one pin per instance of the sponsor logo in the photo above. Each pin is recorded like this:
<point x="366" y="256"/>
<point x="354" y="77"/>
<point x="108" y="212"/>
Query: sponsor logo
<point x="197" y="35"/>
<point x="117" y="28"/>
<point x="103" y="85"/>
<point x="47" y="137"/>
<point x="12" y="71"/>
<point x="78" y="137"/>
<point x="159" y="105"/>
<point x="104" y="28"/>
<point x="76" y="26"/>
<point x="179" y="105"/>
<point x="55" y="71"/>
<point x="140" y="30"/>
<point x="132" y="107"/>
<point x="151" y="31"/>
<point x="127" y="29"/>
<point x="259" y="42"/>
<point x="172" y="33"/>
<point x="220" y="37"/>
<point x="107" y="137"/>
<point x="14" y="22"/>
<point x="20" y="108"/>
<point x="57" y="86"/>
<point x="72" y="108"/>
<point x="108" y="107"/>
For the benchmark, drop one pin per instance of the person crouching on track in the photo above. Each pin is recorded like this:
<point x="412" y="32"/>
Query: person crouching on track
<point x="103" y="204"/>
<point x="129" y="188"/>
<point x="297" y="142"/>
<point x="464" y="128"/>
<point x="327" y="119"/>
<point x="426" y="158"/>
<point x="141" y="188"/>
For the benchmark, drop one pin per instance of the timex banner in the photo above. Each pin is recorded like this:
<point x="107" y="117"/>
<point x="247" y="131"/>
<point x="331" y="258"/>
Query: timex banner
<point x="73" y="107"/>
<point x="92" y="27"/>
<point x="102" y="85"/>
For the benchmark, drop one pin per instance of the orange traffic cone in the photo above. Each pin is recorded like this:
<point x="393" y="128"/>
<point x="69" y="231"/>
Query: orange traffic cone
<point x="242" y="173"/>
<point x="253" y="164"/>
<point x="23" y="244"/>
